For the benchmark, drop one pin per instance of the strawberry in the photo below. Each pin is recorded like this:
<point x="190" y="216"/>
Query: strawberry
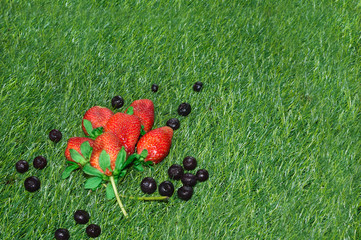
<point x="74" y="143"/>
<point x="126" y="128"/>
<point x="98" y="117"/>
<point x="144" y="109"/>
<point x="111" y="144"/>
<point x="157" y="142"/>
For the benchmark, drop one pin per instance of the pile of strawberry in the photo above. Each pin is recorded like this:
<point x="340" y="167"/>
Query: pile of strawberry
<point x="116" y="142"/>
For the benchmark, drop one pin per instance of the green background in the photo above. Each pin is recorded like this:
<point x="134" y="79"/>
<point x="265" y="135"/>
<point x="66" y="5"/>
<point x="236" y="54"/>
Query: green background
<point x="277" y="123"/>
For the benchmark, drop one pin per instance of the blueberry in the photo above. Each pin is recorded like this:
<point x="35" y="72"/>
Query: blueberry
<point x="62" y="234"/>
<point x="81" y="216"/>
<point x="189" y="163"/>
<point x="93" y="230"/>
<point x="202" y="175"/>
<point x="199" y="83"/>
<point x="185" y="193"/>
<point x="173" y="123"/>
<point x="155" y="88"/>
<point x="188" y="179"/>
<point x="117" y="102"/>
<point x="175" y="171"/>
<point x="184" y="109"/>
<point x="198" y="86"/>
<point x="55" y="135"/>
<point x="148" y="185"/>
<point x="32" y="184"/>
<point x="166" y="188"/>
<point x="40" y="162"/>
<point x="22" y="166"/>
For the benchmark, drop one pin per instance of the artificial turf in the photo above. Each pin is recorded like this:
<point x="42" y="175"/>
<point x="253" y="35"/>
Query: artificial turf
<point x="277" y="123"/>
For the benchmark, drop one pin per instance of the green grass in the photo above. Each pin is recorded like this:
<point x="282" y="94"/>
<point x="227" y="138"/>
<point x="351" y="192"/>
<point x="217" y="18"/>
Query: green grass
<point x="277" y="123"/>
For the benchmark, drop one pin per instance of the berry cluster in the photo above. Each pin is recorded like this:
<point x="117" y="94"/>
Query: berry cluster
<point x="113" y="143"/>
<point x="149" y="186"/>
<point x="176" y="172"/>
<point x="31" y="184"/>
<point x="80" y="217"/>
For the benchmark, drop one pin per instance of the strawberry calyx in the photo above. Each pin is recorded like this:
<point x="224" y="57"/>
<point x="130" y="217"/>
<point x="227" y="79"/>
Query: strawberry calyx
<point x="72" y="166"/>
<point x="93" y="132"/>
<point x="113" y="175"/>
<point x="139" y="163"/>
<point x="79" y="159"/>
<point x="120" y="170"/>
<point x="130" y="111"/>
<point x="142" y="131"/>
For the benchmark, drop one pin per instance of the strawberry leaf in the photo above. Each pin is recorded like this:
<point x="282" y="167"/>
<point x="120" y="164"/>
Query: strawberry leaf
<point x="120" y="159"/>
<point x="144" y="153"/>
<point x="88" y="126"/>
<point x="93" y="183"/>
<point x="68" y="170"/>
<point x="148" y="164"/>
<point x="130" y="159"/>
<point x="139" y="168"/>
<point x="77" y="157"/>
<point x="110" y="192"/>
<point x="86" y="150"/>
<point x="122" y="173"/>
<point x="93" y="133"/>
<point x="72" y="163"/>
<point x="104" y="161"/>
<point x="142" y="132"/>
<point x="96" y="132"/>
<point x="130" y="111"/>
<point x="92" y="171"/>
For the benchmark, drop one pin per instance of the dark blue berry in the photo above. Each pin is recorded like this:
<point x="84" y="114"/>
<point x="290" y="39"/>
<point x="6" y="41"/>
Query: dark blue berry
<point x="173" y="123"/>
<point x="148" y="185"/>
<point x="155" y="88"/>
<point x="62" y="234"/>
<point x="175" y="172"/>
<point x="40" y="162"/>
<point x="188" y="179"/>
<point x="55" y="135"/>
<point x="184" y="109"/>
<point x="81" y="216"/>
<point x="117" y="102"/>
<point x="185" y="193"/>
<point x="22" y="166"/>
<point x="202" y="175"/>
<point x="166" y="188"/>
<point x="189" y="163"/>
<point x="198" y="86"/>
<point x="32" y="184"/>
<point x="93" y="230"/>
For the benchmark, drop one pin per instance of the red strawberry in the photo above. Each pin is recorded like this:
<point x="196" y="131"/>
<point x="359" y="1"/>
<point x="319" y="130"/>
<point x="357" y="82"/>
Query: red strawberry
<point x="157" y="142"/>
<point x="74" y="143"/>
<point x="111" y="144"/>
<point x="98" y="116"/>
<point x="126" y="128"/>
<point x="144" y="109"/>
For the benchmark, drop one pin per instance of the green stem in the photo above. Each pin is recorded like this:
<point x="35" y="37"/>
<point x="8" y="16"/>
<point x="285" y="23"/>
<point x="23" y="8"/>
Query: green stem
<point x="143" y="198"/>
<point x="149" y="198"/>
<point x="117" y="196"/>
